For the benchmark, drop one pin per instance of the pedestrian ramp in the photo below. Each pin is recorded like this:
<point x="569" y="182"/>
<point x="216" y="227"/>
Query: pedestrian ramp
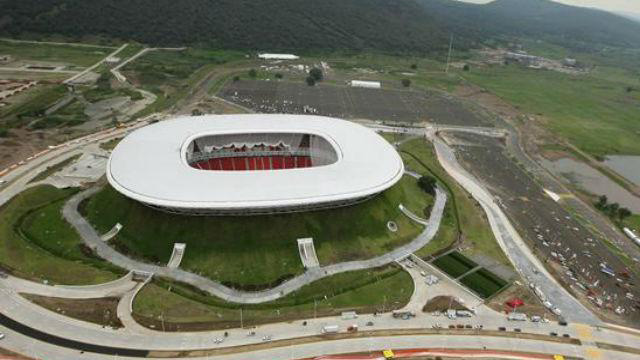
<point x="112" y="233"/>
<point x="176" y="255"/>
<point x="308" y="253"/>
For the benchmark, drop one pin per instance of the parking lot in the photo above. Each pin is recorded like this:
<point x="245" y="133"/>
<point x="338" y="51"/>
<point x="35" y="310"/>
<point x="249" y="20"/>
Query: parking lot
<point x="351" y="102"/>
<point x="581" y="260"/>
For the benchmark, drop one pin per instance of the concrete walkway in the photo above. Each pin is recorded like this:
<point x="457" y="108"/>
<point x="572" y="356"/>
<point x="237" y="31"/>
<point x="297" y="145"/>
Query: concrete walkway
<point x="114" y="288"/>
<point x="92" y="239"/>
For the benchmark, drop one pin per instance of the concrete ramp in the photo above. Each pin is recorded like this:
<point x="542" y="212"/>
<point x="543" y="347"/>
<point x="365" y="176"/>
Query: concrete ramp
<point x="111" y="233"/>
<point x="308" y="253"/>
<point x="176" y="255"/>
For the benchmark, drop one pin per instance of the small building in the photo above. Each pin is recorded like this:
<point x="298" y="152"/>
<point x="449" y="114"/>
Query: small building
<point x="570" y="62"/>
<point x="366" y="84"/>
<point x="278" y="57"/>
<point x="522" y="57"/>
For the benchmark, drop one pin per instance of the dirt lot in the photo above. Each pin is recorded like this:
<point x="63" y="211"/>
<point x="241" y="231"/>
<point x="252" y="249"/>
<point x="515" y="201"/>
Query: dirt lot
<point x="347" y="102"/>
<point x="567" y="248"/>
<point x="99" y="311"/>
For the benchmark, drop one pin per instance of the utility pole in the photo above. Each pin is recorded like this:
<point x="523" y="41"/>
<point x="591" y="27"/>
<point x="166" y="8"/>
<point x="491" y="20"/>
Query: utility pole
<point x="446" y="70"/>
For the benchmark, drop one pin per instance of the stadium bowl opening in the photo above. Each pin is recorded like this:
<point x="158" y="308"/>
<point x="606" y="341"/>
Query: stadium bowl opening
<point x="260" y="151"/>
<point x="252" y="164"/>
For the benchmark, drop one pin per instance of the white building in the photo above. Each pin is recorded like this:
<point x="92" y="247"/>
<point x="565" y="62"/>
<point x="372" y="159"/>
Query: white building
<point x="366" y="84"/>
<point x="278" y="57"/>
<point x="252" y="164"/>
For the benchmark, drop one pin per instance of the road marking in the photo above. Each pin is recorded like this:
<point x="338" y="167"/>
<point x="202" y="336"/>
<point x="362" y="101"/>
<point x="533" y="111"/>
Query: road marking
<point x="585" y="332"/>
<point x="593" y="353"/>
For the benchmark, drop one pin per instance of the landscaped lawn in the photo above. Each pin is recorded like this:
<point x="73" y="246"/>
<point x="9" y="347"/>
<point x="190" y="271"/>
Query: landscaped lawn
<point x="36" y="243"/>
<point x="363" y="291"/>
<point x="454" y="264"/>
<point x="258" y="251"/>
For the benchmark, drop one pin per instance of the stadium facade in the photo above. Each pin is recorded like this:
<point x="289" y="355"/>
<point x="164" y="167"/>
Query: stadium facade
<point x="252" y="164"/>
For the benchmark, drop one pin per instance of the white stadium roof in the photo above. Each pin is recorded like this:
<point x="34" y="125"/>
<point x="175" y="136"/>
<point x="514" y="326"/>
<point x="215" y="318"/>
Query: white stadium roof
<point x="150" y="165"/>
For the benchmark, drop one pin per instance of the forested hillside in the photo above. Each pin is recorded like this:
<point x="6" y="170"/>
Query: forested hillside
<point x="381" y="25"/>
<point x="570" y="26"/>
<point x="240" y="24"/>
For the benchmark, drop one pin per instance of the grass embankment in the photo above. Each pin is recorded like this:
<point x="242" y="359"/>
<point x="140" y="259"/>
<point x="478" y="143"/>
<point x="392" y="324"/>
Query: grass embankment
<point x="259" y="251"/>
<point x="454" y="264"/>
<point x="595" y="112"/>
<point x="463" y="215"/>
<point x="54" y="168"/>
<point x="36" y="243"/>
<point x="183" y="308"/>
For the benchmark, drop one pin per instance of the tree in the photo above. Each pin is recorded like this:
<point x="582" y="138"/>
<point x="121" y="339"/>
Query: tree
<point x="278" y="76"/>
<point x="253" y="73"/>
<point x="316" y="74"/>
<point x="427" y="184"/>
<point x="236" y="78"/>
<point x="613" y="209"/>
<point x="196" y="112"/>
<point x="414" y="66"/>
<point x="602" y="202"/>
<point x="623" y="213"/>
<point x="310" y="80"/>
<point x="465" y="67"/>
<point x="406" y="82"/>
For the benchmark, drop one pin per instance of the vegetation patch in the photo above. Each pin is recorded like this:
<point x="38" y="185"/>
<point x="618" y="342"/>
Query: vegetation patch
<point x="454" y="264"/>
<point x="36" y="243"/>
<point x="179" y="307"/>
<point x="50" y="170"/>
<point x="484" y="283"/>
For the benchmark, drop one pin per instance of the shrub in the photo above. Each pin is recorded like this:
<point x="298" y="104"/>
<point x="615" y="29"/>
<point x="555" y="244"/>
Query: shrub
<point x="406" y="82"/>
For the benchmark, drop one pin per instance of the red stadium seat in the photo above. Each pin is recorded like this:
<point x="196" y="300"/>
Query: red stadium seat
<point x="240" y="163"/>
<point x="289" y="162"/>
<point x="227" y="164"/>
<point x="277" y="162"/>
<point x="252" y="163"/>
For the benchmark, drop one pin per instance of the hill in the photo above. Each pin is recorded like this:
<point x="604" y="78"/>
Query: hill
<point x="569" y="26"/>
<point x="238" y="24"/>
<point x="279" y="25"/>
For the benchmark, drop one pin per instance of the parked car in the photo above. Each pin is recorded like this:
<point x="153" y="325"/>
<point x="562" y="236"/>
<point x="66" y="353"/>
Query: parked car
<point x="1" y="336"/>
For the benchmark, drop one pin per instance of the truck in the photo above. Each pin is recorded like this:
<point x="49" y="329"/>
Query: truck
<point x="330" y="329"/>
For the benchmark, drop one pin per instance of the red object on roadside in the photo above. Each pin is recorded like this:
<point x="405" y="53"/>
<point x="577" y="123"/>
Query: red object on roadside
<point x="515" y="302"/>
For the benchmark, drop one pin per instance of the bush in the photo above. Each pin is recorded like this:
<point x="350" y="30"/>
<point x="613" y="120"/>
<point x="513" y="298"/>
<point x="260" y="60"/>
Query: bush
<point x="316" y="74"/>
<point x="427" y="184"/>
<point x="278" y="76"/>
<point x="465" y="67"/>
<point x="414" y="66"/>
<point x="406" y="82"/>
<point x="4" y="133"/>
<point x="310" y="80"/>
<point x="253" y="73"/>
<point x="236" y="78"/>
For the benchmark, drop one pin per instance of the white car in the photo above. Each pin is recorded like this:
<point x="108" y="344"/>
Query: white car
<point x="1" y="336"/>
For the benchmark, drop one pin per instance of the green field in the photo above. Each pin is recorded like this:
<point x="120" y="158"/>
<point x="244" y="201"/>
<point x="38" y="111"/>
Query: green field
<point x="257" y="252"/>
<point x="594" y="111"/>
<point x="454" y="264"/>
<point x="483" y="283"/>
<point x="35" y="242"/>
<point x="73" y="55"/>
<point x="363" y="291"/>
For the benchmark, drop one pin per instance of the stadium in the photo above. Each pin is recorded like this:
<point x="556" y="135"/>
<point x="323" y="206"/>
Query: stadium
<point x="252" y="164"/>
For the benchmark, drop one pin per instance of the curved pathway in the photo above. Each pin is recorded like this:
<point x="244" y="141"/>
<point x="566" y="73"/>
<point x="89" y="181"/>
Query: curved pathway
<point x="114" y="288"/>
<point x="93" y="240"/>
